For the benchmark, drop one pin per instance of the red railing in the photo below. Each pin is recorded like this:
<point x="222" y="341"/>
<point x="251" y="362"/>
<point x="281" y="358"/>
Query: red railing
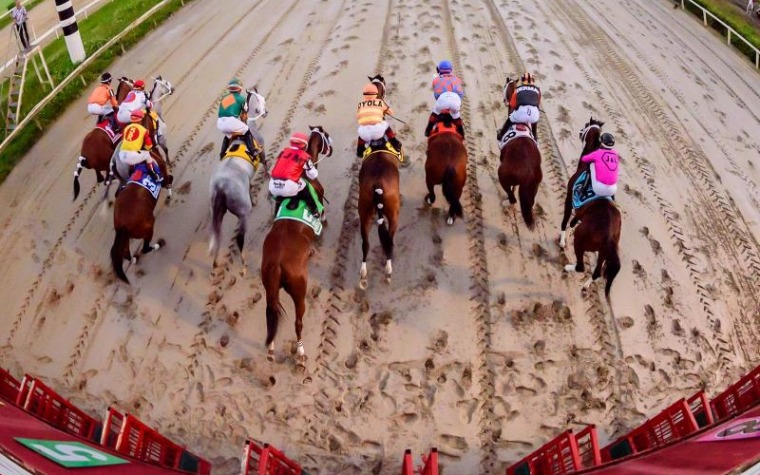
<point x="112" y="425"/>
<point x="429" y="467"/>
<point x="139" y="441"/>
<point x="9" y="386"/>
<point x="267" y="460"/>
<point x="565" y="453"/>
<point x="700" y="407"/>
<point x="740" y="396"/>
<point x="38" y="399"/>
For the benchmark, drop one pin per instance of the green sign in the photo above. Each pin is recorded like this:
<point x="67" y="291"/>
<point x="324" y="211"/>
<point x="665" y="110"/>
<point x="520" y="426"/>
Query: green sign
<point x="70" y="454"/>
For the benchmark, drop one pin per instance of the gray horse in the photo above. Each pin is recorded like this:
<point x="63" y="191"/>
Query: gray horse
<point x="230" y="185"/>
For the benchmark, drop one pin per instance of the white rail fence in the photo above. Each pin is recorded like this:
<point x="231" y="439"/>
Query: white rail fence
<point x="730" y="31"/>
<point x="76" y="72"/>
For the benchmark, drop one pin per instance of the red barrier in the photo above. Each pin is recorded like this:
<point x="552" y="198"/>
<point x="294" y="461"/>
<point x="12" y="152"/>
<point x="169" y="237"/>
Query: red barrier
<point x="739" y="397"/>
<point x="9" y="386"/>
<point x="38" y="399"/>
<point x="112" y="425"/>
<point x="139" y="441"/>
<point x="700" y="407"/>
<point x="267" y="461"/>
<point x="407" y="466"/>
<point x="566" y="453"/>
<point x="431" y="463"/>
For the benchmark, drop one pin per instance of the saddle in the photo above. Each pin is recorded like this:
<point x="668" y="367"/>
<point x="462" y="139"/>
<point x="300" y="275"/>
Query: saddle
<point x="440" y="127"/>
<point x="295" y="209"/>
<point x="237" y="149"/>
<point x="105" y="126"/>
<point x="516" y="131"/>
<point x="382" y="145"/>
<point x="583" y="193"/>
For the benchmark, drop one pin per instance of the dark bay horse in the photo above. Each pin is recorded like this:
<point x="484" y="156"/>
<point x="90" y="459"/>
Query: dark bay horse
<point x="598" y="231"/>
<point x="590" y="137"/>
<point x="446" y="165"/>
<point x="285" y="258"/>
<point x="133" y="219"/>
<point x="97" y="147"/>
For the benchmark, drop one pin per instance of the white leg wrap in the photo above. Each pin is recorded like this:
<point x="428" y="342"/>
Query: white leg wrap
<point x="570" y="268"/>
<point x="300" y="349"/>
<point x="363" y="270"/>
<point x="562" y="237"/>
<point x="388" y="267"/>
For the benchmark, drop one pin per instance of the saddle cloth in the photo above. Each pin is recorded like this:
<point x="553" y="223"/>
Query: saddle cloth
<point x="516" y="131"/>
<point x="382" y="145"/>
<point x="237" y="149"/>
<point x="301" y="212"/>
<point x="583" y="193"/>
<point x="141" y="176"/>
<point x="441" y="128"/>
<point x="105" y="126"/>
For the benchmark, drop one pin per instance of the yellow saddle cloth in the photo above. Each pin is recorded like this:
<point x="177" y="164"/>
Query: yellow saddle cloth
<point x="238" y="150"/>
<point x="386" y="147"/>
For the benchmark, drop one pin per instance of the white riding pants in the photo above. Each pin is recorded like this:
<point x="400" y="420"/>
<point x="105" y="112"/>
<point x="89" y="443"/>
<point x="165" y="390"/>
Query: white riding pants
<point x="231" y="125"/>
<point x="286" y="188"/>
<point x="600" y="188"/>
<point x="133" y="158"/>
<point x="97" y="109"/>
<point x="525" y="115"/>
<point x="368" y="133"/>
<point x="448" y="101"/>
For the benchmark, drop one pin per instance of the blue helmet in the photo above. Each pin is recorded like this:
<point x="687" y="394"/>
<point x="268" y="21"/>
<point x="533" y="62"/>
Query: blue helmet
<point x="445" y="66"/>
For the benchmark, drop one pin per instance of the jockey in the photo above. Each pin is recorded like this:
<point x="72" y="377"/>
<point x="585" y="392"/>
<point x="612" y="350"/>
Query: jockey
<point x="287" y="174"/>
<point x="523" y="105"/>
<point x="136" y="99"/>
<point x="372" y="124"/>
<point x="136" y="143"/>
<point x="232" y="118"/>
<point x="448" y="92"/>
<point x="604" y="167"/>
<point x="102" y="101"/>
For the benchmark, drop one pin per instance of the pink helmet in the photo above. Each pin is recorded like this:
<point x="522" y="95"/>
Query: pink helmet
<point x="300" y="140"/>
<point x="139" y="84"/>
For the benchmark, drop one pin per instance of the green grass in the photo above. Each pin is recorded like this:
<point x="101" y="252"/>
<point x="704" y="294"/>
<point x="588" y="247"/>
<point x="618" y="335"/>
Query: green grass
<point x="734" y="18"/>
<point x="96" y="30"/>
<point x="7" y="20"/>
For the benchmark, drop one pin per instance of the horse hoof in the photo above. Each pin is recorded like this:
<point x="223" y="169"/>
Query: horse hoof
<point x="133" y="261"/>
<point x="363" y="283"/>
<point x="270" y="356"/>
<point x="450" y="221"/>
<point x="387" y="278"/>
<point x="570" y="268"/>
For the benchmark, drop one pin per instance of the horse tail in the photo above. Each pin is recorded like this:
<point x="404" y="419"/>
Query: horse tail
<point x="382" y="221"/>
<point x="272" y="276"/>
<point x="218" y="210"/>
<point x="449" y="191"/>
<point x="527" y="194"/>
<point x="612" y="265"/>
<point x="118" y="251"/>
<point x="80" y="165"/>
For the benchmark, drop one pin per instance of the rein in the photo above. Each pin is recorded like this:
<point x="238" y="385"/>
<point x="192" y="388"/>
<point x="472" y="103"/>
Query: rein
<point x="586" y="130"/>
<point x="326" y="149"/>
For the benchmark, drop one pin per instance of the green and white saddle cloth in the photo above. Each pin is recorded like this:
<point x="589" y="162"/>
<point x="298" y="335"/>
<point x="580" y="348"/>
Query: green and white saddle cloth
<point x="302" y="213"/>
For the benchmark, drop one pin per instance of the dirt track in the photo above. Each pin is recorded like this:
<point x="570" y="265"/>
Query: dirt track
<point x="481" y="346"/>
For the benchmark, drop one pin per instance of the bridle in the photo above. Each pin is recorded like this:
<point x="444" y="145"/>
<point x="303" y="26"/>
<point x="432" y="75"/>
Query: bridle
<point x="326" y="149"/>
<point x="586" y="130"/>
<point x="166" y="84"/>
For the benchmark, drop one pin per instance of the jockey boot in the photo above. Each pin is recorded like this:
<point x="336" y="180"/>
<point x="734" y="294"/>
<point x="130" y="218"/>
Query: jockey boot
<point x="113" y="122"/>
<point x="249" y="145"/>
<point x="99" y="119"/>
<point x="360" y="145"/>
<point x="153" y="173"/>
<point x="504" y="128"/>
<point x="431" y="123"/>
<point x="460" y="126"/>
<point x="305" y="195"/>
<point x="534" y="129"/>
<point x="395" y="142"/>
<point x="225" y="144"/>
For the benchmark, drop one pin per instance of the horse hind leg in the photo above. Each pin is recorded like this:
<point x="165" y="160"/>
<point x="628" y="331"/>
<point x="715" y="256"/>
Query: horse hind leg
<point x="363" y="282"/>
<point x="579" y="266"/>
<point x="430" y="198"/>
<point x="297" y="292"/>
<point x="240" y="239"/>
<point x="511" y="194"/>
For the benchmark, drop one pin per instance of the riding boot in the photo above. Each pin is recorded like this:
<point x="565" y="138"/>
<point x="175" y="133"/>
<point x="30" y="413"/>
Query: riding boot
<point x="249" y="144"/>
<point x="113" y="122"/>
<point x="534" y="128"/>
<point x="505" y="127"/>
<point x="431" y="123"/>
<point x="396" y="143"/>
<point x="99" y="119"/>
<point x="311" y="204"/>
<point x="225" y="144"/>
<point x="360" y="145"/>
<point x="460" y="126"/>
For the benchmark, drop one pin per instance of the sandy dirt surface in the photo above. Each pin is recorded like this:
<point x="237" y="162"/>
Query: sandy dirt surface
<point x="481" y="345"/>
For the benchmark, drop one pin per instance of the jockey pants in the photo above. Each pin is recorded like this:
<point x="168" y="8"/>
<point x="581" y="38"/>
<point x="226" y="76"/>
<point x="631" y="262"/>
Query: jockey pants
<point x="286" y="188"/>
<point x="231" y="125"/>
<point x="448" y="101"/>
<point x="525" y="115"/>
<point x="97" y="109"/>
<point x="368" y="133"/>
<point x="134" y="157"/>
<point x="600" y="189"/>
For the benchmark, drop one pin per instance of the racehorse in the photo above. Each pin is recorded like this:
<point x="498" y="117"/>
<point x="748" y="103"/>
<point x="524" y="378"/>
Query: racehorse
<point x="230" y="187"/>
<point x="590" y="136"/>
<point x="446" y="165"/>
<point x="98" y="147"/>
<point x="285" y="257"/>
<point x="161" y="89"/>
<point x="379" y="81"/>
<point x="133" y="219"/>
<point x="520" y="165"/>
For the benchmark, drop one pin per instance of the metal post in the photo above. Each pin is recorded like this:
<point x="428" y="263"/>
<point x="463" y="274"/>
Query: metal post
<point x="704" y="16"/>
<point x="70" y="30"/>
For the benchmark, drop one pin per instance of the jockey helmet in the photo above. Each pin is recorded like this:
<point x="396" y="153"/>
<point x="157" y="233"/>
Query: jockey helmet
<point x="444" y="67"/>
<point x="105" y="78"/>
<point x="370" y="90"/>
<point x="139" y="85"/>
<point x="299" y="139"/>
<point x="235" y="85"/>
<point x="608" y="140"/>
<point x="137" y="115"/>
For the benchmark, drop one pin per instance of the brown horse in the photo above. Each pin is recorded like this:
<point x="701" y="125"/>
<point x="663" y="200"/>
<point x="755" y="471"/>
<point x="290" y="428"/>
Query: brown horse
<point x="285" y="258"/>
<point x="520" y="166"/>
<point x="590" y="136"/>
<point x="133" y="219"/>
<point x="97" y="147"/>
<point x="446" y="165"/>
<point x="598" y="231"/>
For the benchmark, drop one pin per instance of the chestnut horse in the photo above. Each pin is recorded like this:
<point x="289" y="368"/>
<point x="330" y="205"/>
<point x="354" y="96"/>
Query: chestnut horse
<point x="285" y="258"/>
<point x="446" y="165"/>
<point x="97" y="147"/>
<point x="590" y="136"/>
<point x="521" y="167"/>
<point x="133" y="219"/>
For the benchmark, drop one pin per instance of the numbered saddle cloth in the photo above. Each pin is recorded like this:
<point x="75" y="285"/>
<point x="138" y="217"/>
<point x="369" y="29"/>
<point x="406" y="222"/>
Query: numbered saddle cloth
<point x="300" y="212"/>
<point x="516" y="131"/>
<point x="583" y="193"/>
<point x="141" y="176"/>
<point x="382" y="145"/>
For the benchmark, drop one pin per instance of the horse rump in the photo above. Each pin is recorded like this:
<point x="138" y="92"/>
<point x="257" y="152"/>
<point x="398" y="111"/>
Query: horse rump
<point x="382" y="222"/>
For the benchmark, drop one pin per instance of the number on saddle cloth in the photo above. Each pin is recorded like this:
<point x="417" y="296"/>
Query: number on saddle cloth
<point x="295" y="209"/>
<point x="140" y="175"/>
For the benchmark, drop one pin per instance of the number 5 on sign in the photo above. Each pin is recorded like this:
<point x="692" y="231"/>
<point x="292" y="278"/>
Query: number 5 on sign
<point x="70" y="454"/>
